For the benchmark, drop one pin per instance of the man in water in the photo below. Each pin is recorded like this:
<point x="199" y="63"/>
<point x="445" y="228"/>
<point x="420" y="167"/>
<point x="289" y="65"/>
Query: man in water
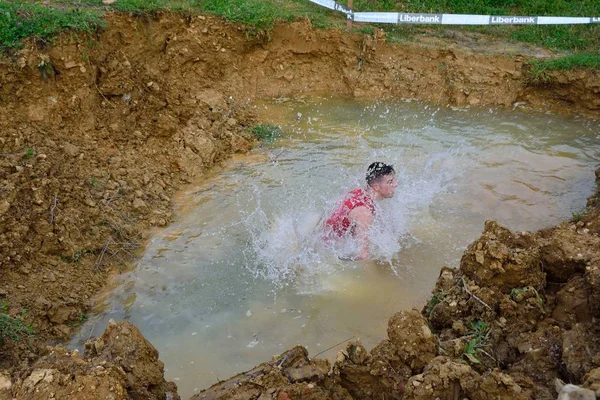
<point x="353" y="215"/>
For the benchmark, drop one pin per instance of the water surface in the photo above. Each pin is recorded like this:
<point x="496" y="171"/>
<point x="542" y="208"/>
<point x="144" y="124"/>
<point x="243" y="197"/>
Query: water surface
<point x="238" y="278"/>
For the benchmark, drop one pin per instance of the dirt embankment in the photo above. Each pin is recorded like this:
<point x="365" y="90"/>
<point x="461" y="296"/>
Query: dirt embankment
<point x="97" y="134"/>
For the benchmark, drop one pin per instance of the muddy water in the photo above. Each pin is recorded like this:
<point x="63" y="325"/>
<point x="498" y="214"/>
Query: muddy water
<point x="239" y="277"/>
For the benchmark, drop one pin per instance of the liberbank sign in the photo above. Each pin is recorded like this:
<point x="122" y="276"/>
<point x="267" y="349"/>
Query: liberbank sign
<point x="451" y="19"/>
<point x="494" y="20"/>
<point x="419" y="18"/>
<point x="438" y="19"/>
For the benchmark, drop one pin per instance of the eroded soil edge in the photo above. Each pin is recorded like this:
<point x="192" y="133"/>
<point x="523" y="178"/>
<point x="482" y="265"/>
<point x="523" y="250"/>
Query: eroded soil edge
<point x="97" y="134"/>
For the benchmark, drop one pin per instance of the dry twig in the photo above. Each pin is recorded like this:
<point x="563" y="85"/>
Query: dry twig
<point x="335" y="345"/>
<point x="472" y="295"/>
<point x="98" y="262"/>
<point x="52" y="209"/>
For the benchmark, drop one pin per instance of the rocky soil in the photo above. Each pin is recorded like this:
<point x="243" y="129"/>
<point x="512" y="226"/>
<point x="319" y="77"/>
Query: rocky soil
<point x="98" y="132"/>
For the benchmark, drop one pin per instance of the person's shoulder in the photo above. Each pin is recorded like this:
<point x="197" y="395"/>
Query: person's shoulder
<point x="357" y="192"/>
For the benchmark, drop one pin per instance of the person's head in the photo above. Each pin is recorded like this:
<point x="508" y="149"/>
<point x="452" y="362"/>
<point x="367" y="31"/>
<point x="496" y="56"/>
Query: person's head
<point x="381" y="178"/>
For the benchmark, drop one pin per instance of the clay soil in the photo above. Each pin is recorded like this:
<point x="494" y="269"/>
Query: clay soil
<point x="96" y="140"/>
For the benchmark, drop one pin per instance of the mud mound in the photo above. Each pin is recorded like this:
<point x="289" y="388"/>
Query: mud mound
<point x="89" y="160"/>
<point x="121" y="364"/>
<point x="292" y="375"/>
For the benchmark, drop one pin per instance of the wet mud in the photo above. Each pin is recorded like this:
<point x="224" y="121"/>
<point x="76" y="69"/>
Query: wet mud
<point x="99" y="132"/>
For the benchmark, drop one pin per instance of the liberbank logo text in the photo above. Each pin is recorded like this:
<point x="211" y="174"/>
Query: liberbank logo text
<point x="419" y="18"/>
<point x="513" y="20"/>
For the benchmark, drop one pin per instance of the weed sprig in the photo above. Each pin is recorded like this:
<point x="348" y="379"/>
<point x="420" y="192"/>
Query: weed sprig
<point x="12" y="328"/>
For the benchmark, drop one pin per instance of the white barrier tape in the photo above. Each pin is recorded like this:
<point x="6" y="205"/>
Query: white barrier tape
<point x="452" y="19"/>
<point x="332" y="5"/>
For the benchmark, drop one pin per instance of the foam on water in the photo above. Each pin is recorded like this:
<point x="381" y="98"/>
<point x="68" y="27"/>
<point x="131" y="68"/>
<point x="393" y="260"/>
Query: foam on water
<point x="287" y="246"/>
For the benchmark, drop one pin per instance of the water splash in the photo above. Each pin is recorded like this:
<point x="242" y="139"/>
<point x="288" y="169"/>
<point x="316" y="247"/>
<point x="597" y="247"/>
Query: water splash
<point x="288" y="245"/>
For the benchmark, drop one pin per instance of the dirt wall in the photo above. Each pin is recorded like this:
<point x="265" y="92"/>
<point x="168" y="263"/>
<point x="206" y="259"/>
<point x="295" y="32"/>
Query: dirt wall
<point x="98" y="132"/>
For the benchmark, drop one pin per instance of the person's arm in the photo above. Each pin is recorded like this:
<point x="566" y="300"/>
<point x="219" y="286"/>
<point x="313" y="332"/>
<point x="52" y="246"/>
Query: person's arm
<point x="362" y="218"/>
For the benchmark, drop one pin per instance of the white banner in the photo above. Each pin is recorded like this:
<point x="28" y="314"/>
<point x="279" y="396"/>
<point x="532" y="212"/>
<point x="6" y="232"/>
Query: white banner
<point x="452" y="19"/>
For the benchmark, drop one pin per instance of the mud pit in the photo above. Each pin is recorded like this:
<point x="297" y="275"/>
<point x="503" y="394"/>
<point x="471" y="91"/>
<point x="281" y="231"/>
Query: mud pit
<point x="91" y="156"/>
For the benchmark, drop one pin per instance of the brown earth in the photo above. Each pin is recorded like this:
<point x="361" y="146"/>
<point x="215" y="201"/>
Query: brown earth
<point x="96" y="139"/>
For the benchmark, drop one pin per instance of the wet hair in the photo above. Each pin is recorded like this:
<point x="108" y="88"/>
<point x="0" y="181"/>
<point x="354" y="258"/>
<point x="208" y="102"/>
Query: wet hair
<point x="378" y="169"/>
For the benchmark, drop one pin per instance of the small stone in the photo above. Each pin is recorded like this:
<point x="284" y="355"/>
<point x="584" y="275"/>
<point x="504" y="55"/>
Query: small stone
<point x="138" y="203"/>
<point x="90" y="203"/>
<point x="71" y="64"/>
<point x="71" y="149"/>
<point x="5" y="383"/>
<point x="4" y="206"/>
<point x="109" y="2"/>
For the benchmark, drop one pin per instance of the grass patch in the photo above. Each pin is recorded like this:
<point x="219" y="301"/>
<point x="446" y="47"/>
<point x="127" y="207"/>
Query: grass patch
<point x="12" y="329"/>
<point x="19" y="20"/>
<point x="258" y="13"/>
<point x="519" y="294"/>
<point x="28" y="153"/>
<point x="479" y="338"/>
<point x="264" y="14"/>
<point x="582" y="60"/>
<point x="146" y="6"/>
<point x="436" y="299"/>
<point x="266" y="132"/>
<point x="577" y="217"/>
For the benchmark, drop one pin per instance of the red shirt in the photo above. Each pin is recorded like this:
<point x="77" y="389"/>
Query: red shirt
<point x="338" y="221"/>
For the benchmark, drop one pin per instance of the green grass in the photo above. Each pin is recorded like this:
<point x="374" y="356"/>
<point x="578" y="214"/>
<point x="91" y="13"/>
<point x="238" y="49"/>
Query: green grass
<point x="479" y="338"/>
<point x="28" y="153"/>
<point x="517" y="294"/>
<point x="19" y="20"/>
<point x="581" y="60"/>
<point x="12" y="329"/>
<point x="436" y="299"/>
<point x="141" y="6"/>
<point x="266" y="132"/>
<point x="264" y="14"/>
